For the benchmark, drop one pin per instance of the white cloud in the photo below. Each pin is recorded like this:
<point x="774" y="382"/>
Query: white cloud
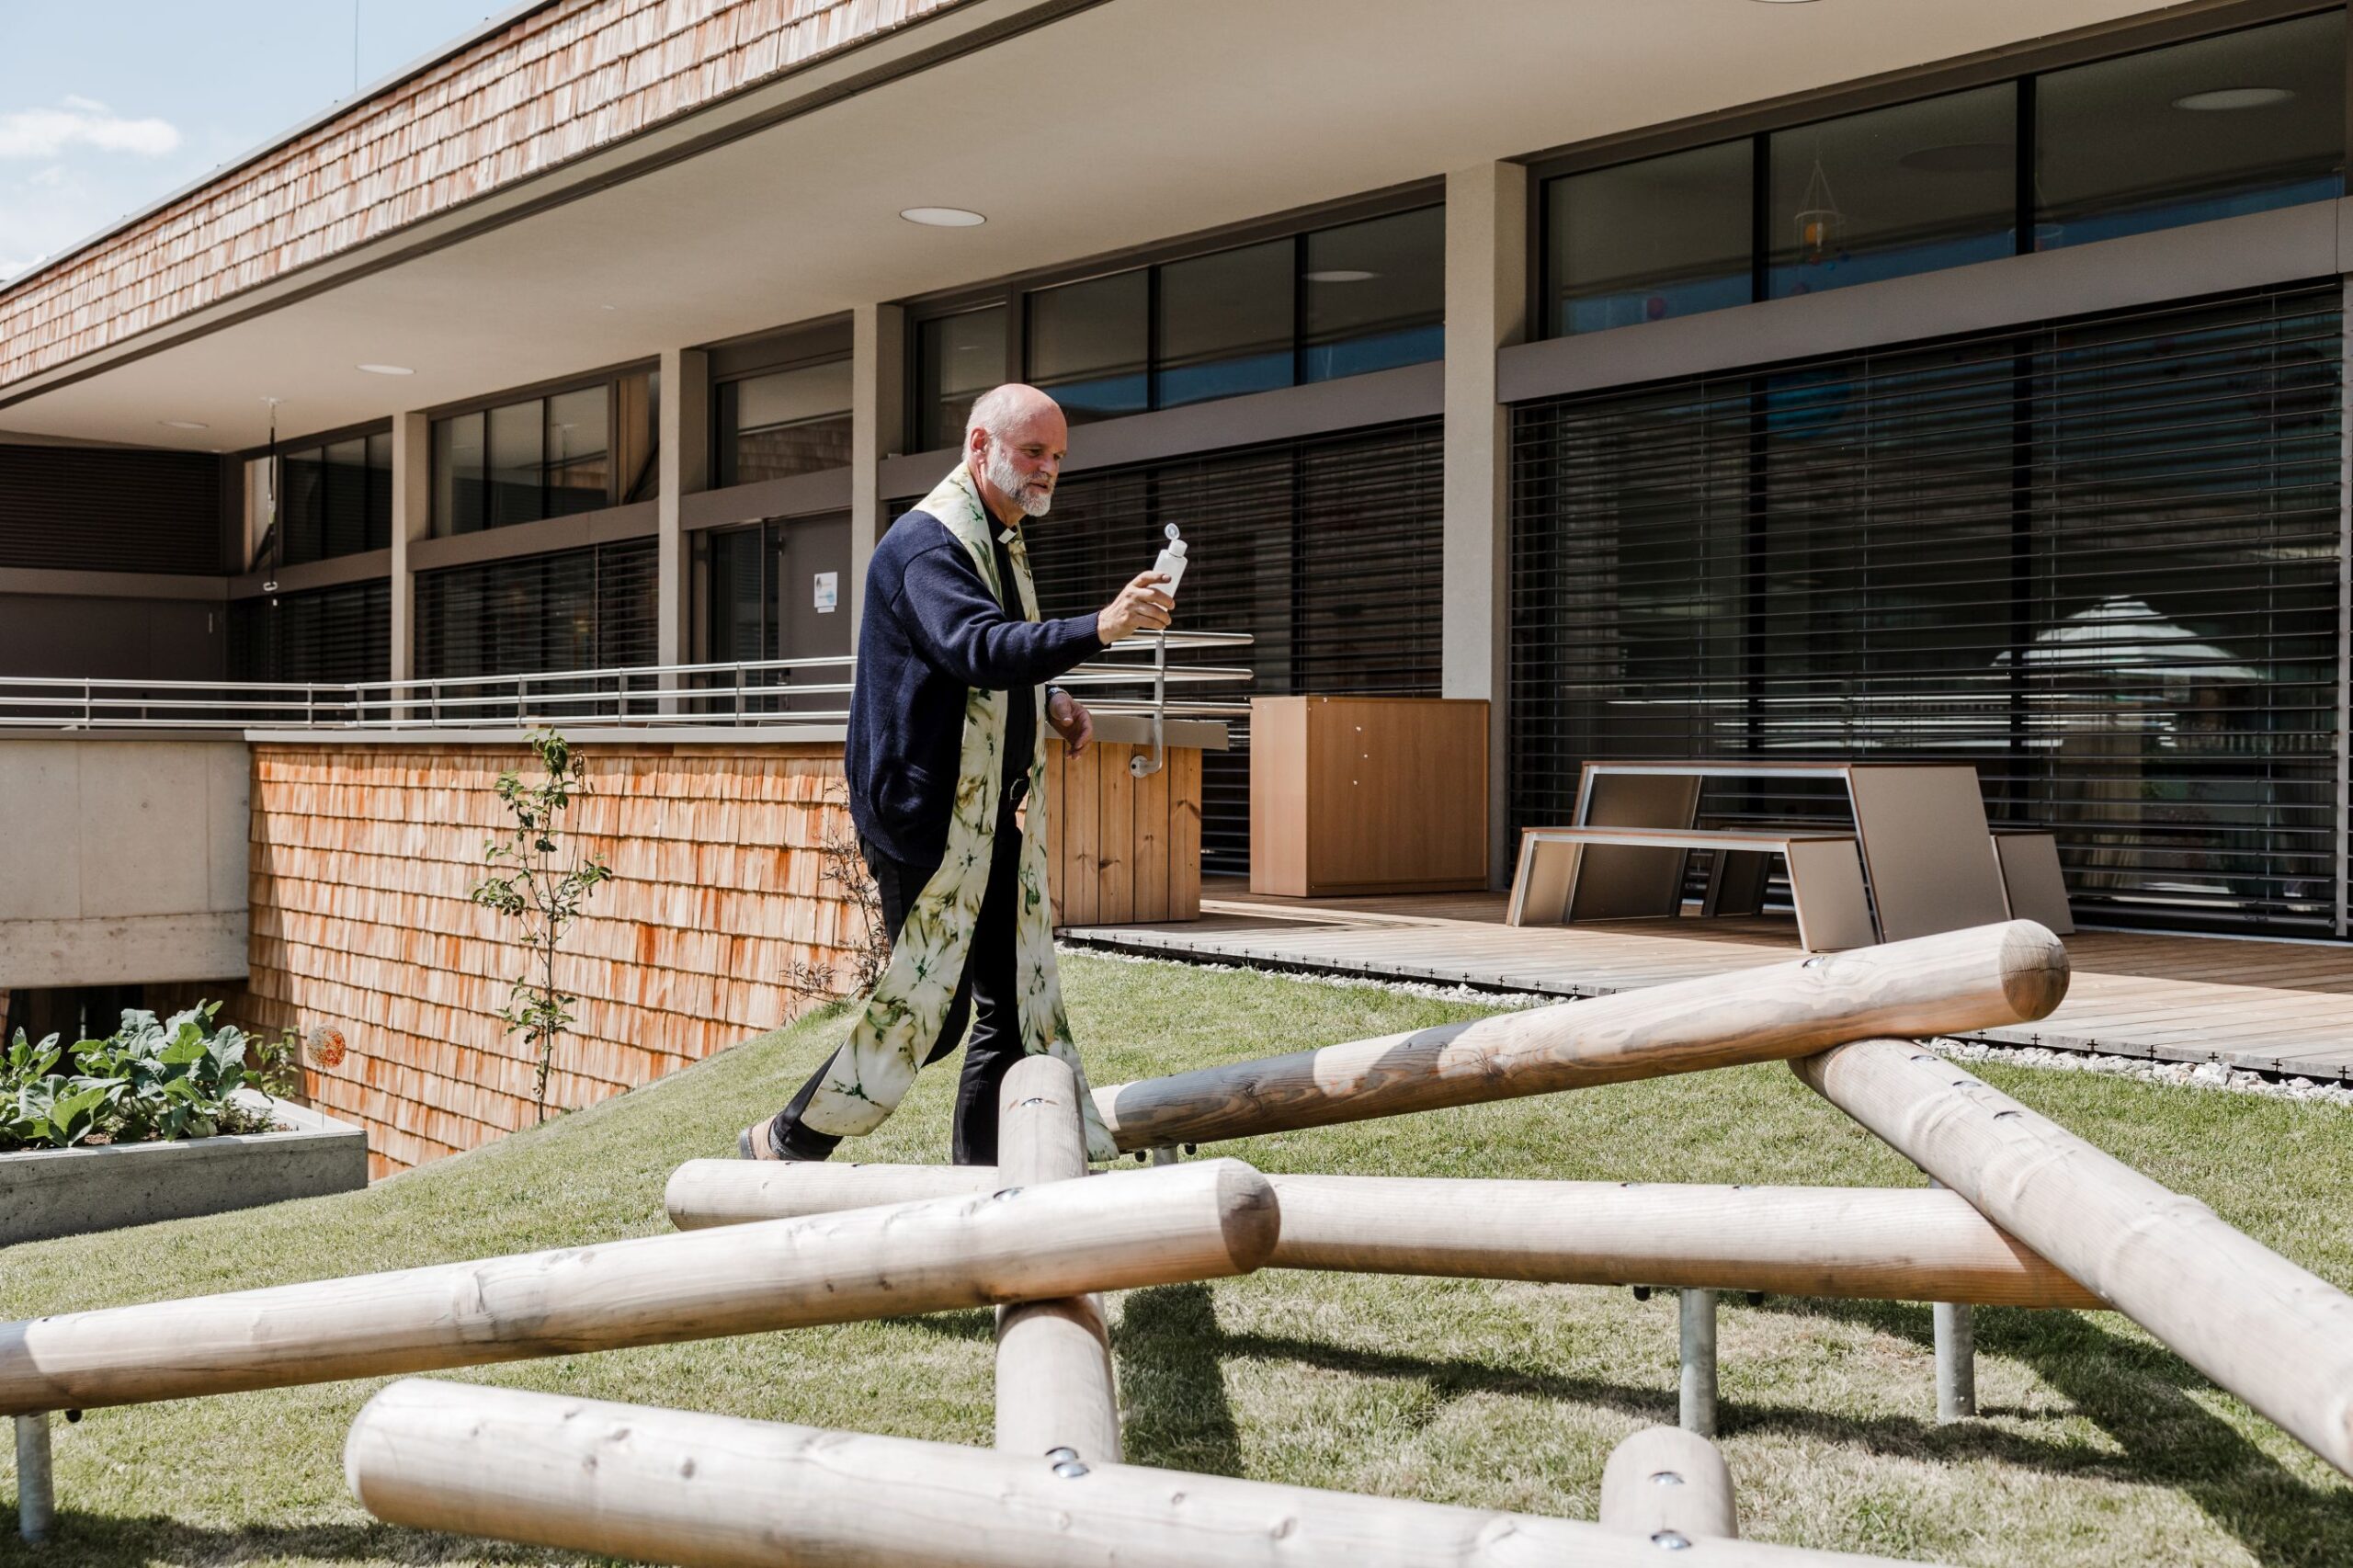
<point x="76" y="100"/>
<point x="46" y="132"/>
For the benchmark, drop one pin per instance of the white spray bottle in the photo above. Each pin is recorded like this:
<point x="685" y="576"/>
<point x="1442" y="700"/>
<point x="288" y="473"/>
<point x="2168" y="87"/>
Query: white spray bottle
<point x="1171" y="564"/>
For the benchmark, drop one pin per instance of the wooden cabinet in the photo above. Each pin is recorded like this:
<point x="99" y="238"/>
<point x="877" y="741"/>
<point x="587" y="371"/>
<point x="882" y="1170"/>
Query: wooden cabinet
<point x="1367" y="794"/>
<point x="1122" y="849"/>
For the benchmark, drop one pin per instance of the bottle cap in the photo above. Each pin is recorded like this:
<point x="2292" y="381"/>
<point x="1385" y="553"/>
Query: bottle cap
<point x="1176" y="548"/>
<point x="1170" y="530"/>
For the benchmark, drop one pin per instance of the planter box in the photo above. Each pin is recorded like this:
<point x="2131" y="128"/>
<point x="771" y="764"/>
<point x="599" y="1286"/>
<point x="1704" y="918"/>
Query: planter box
<point x="66" y="1192"/>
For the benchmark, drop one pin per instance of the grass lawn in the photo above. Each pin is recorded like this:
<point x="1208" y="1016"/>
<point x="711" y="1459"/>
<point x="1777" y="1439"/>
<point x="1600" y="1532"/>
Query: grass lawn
<point x="2097" y="1446"/>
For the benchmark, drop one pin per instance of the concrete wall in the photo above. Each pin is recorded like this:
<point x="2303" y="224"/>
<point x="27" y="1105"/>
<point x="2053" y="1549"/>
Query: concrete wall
<point x="122" y="860"/>
<point x="363" y="852"/>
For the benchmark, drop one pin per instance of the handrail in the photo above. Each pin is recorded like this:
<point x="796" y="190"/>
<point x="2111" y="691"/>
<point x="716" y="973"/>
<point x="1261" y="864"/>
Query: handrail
<point x="746" y="694"/>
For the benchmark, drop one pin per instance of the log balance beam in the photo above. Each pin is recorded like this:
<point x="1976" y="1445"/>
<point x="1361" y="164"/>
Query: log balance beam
<point x="1054" y="1383"/>
<point x="2276" y="1336"/>
<point x="717" y="1491"/>
<point x="1175" y="1225"/>
<point x="1986" y="977"/>
<point x="1905" y="1244"/>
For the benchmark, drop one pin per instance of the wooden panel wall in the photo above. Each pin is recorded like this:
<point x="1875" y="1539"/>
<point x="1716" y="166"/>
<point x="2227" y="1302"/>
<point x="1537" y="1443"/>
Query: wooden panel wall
<point x="362" y="859"/>
<point x="1124" y="849"/>
<point x="559" y="82"/>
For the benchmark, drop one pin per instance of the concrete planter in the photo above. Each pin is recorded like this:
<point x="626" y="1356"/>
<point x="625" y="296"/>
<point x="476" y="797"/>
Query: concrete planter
<point x="65" y="1192"/>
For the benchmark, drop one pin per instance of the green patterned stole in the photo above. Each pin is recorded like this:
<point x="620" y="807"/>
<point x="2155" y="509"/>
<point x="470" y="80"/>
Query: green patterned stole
<point x="901" y="1020"/>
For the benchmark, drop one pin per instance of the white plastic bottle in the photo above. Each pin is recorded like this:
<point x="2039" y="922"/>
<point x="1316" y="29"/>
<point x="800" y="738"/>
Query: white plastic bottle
<point x="1171" y="564"/>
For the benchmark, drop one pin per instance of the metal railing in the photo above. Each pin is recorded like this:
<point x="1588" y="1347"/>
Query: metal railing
<point x="754" y="693"/>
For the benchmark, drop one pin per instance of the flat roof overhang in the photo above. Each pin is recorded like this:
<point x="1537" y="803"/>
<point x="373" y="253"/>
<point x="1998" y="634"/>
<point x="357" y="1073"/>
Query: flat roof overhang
<point x="1080" y="127"/>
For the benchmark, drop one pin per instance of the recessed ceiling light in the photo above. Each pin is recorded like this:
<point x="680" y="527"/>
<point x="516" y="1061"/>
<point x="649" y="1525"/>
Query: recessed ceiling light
<point x="2235" y="98"/>
<point x="1960" y="158"/>
<point x="942" y="217"/>
<point x="388" y="370"/>
<point x="1342" y="274"/>
<point x="184" y="424"/>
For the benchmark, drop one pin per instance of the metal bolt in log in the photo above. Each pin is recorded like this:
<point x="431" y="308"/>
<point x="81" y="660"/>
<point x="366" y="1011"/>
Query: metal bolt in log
<point x="1198" y="1222"/>
<point x="1987" y="977"/>
<point x="717" y="1491"/>
<point x="1054" y="1383"/>
<point x="2276" y="1335"/>
<point x="1877" y="1243"/>
<point x="1663" y="1480"/>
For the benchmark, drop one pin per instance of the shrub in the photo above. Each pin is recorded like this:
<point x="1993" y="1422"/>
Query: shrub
<point x="147" y="1081"/>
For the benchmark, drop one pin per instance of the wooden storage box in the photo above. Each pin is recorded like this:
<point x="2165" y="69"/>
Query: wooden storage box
<point x="1367" y="794"/>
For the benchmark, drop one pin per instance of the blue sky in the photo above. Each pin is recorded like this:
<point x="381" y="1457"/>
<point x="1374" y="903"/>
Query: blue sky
<point x="107" y="104"/>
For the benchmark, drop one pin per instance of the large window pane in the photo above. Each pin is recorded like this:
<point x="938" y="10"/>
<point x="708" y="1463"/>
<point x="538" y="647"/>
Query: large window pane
<point x="579" y="460"/>
<point x="957" y="359"/>
<point x="636" y="430"/>
<point x="344" y="531"/>
<point x="514" y="464"/>
<point x="2239" y="123"/>
<point x="786" y="423"/>
<point x="302" y="505"/>
<point x="1665" y="237"/>
<point x="458" y="495"/>
<point x="1088" y="343"/>
<point x="1225" y="324"/>
<point x="1898" y="190"/>
<point x="380" y="491"/>
<point x="1375" y="295"/>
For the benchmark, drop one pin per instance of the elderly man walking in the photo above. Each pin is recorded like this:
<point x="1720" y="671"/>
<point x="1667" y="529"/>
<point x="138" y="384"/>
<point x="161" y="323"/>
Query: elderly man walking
<point x="945" y="744"/>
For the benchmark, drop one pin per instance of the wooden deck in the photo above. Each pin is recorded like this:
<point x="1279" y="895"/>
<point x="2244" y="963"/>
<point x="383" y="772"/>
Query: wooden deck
<point x="2273" y="1007"/>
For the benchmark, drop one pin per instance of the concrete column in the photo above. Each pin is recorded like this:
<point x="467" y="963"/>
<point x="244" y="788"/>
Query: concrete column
<point x="1486" y="309"/>
<point x="411" y="520"/>
<point x="684" y="442"/>
<point x="876" y="430"/>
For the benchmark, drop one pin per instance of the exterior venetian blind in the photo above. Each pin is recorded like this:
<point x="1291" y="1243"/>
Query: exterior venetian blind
<point x="582" y="610"/>
<point x="2098" y="559"/>
<point x="326" y="636"/>
<point x="1325" y="551"/>
<point x="83" y="509"/>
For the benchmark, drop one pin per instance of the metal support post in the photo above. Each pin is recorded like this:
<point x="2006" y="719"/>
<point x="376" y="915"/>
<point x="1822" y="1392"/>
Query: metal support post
<point x="1165" y="1155"/>
<point x="36" y="1492"/>
<point x="1698" y="1314"/>
<point x="1956" y="1362"/>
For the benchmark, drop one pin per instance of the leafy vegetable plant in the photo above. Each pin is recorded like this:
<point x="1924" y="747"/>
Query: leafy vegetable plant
<point x="149" y="1080"/>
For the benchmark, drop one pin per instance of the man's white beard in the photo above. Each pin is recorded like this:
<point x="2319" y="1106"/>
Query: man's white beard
<point x="1000" y="471"/>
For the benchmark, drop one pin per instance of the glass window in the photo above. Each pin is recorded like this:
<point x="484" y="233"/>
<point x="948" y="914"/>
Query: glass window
<point x="1910" y="188"/>
<point x="2240" y="123"/>
<point x="1375" y="295"/>
<point x="579" y="459"/>
<point x="740" y="629"/>
<point x="380" y="491"/>
<point x="785" y="423"/>
<point x="957" y="359"/>
<point x="345" y="522"/>
<point x="513" y="463"/>
<point x="1225" y="324"/>
<point x="302" y="509"/>
<point x="1668" y="237"/>
<point x="1089" y="342"/>
<point x="637" y="437"/>
<point x="458" y="485"/>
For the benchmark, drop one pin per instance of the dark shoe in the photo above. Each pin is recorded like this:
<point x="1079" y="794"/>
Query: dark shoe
<point x="758" y="1142"/>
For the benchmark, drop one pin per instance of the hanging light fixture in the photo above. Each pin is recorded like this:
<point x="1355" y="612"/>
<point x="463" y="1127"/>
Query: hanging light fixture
<point x="1818" y="219"/>
<point x="271" y="544"/>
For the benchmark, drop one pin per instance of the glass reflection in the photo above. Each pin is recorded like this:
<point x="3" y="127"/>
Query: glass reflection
<point x="1225" y="324"/>
<point x="1089" y="344"/>
<point x="1642" y="242"/>
<point x="957" y="359"/>
<point x="1374" y="295"/>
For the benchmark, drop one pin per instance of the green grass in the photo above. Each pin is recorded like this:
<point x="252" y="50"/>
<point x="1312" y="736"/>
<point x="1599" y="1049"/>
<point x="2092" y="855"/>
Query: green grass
<point x="2096" y="1445"/>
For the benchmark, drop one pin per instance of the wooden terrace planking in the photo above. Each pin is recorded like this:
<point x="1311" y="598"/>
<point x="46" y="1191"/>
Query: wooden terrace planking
<point x="2272" y="1006"/>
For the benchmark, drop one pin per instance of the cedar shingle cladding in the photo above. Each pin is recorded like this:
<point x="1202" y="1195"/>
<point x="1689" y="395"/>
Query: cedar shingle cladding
<point x="362" y="859"/>
<point x="564" y="80"/>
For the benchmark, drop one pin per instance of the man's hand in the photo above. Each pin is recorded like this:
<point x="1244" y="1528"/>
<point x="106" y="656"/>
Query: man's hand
<point x="1069" y="719"/>
<point x="1141" y="607"/>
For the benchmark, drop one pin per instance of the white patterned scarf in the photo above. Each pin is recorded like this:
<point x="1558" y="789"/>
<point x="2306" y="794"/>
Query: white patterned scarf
<point x="903" y="1018"/>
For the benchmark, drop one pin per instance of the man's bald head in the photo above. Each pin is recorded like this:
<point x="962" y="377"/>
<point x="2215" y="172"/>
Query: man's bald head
<point x="1014" y="443"/>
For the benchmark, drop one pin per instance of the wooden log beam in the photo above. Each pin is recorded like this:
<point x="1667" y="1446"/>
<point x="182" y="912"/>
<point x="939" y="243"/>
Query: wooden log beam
<point x="1896" y="1244"/>
<point x="1195" y="1221"/>
<point x="716" y="1492"/>
<point x="2271" y="1333"/>
<point x="1055" y="1384"/>
<point x="1986" y="977"/>
<point x="1665" y="1481"/>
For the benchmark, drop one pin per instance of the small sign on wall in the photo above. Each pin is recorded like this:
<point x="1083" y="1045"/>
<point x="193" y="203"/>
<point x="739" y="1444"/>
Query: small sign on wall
<point x="828" y="591"/>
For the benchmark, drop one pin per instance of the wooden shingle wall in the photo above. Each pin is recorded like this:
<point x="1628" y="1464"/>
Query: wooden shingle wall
<point x="362" y="859"/>
<point x="566" y="80"/>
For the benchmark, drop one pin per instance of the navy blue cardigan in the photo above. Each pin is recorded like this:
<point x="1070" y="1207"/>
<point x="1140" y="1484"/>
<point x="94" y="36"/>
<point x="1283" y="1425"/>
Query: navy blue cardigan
<point x="932" y="631"/>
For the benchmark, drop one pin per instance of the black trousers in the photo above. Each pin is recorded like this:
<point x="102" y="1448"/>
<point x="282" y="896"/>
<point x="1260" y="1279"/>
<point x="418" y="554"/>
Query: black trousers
<point x="988" y="996"/>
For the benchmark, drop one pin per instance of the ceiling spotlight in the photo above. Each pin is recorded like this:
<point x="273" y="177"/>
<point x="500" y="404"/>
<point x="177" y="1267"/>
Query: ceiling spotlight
<point x="1342" y="274"/>
<point x="2235" y="98"/>
<point x="388" y="370"/>
<point x="942" y="217"/>
<point x="184" y="424"/>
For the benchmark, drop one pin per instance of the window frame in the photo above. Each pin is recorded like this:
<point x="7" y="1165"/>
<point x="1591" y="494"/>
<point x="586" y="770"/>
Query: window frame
<point x="611" y="379"/>
<point x="716" y="459"/>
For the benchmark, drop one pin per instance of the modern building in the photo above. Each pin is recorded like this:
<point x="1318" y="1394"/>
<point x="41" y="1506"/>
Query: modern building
<point x="1760" y="378"/>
